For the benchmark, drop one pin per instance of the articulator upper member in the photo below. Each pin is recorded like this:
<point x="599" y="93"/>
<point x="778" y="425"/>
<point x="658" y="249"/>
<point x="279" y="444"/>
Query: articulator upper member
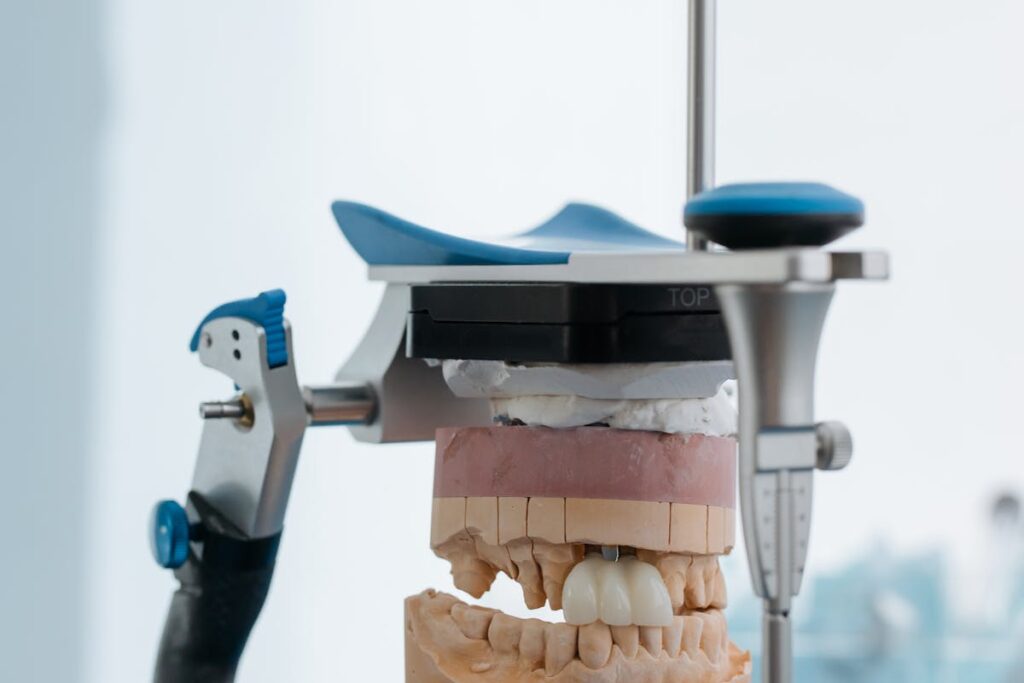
<point x="575" y="380"/>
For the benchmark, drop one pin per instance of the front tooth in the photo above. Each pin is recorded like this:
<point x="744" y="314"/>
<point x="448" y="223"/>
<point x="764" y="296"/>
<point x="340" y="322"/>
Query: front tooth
<point x="648" y="595"/>
<point x="627" y="638"/>
<point x="472" y="621"/>
<point x="595" y="645"/>
<point x="504" y="633"/>
<point x="579" y="595"/>
<point x="672" y="638"/>
<point x="693" y="627"/>
<point x="559" y="647"/>
<point x="650" y="638"/>
<point x="613" y="596"/>
<point x="531" y="644"/>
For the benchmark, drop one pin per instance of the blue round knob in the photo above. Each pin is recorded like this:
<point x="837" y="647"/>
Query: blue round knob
<point x="168" y="534"/>
<point x="773" y="215"/>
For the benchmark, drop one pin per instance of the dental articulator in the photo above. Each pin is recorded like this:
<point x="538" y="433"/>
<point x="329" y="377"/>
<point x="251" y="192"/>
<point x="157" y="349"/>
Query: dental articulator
<point x="576" y="382"/>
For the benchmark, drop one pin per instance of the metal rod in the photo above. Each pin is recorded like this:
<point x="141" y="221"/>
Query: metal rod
<point x="340" y="404"/>
<point x="700" y="167"/>
<point x="222" y="410"/>
<point x="777" y="649"/>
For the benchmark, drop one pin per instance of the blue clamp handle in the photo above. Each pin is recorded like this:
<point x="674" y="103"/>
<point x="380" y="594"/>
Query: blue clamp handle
<point x="266" y="310"/>
<point x="169" y="534"/>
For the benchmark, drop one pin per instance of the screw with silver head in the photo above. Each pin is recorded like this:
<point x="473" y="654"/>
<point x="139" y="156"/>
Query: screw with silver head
<point x="835" y="445"/>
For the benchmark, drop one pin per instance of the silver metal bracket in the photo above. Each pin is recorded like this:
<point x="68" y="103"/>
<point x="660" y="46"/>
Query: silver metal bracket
<point x="412" y="399"/>
<point x="245" y="469"/>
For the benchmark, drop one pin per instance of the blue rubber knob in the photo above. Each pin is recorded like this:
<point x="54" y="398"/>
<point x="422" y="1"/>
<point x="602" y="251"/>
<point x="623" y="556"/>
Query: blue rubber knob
<point x="169" y="534"/>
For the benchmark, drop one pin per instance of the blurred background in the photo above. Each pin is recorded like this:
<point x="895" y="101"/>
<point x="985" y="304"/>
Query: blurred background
<point x="158" y="159"/>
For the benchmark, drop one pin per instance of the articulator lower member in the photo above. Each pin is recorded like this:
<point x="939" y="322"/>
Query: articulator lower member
<point x="575" y="382"/>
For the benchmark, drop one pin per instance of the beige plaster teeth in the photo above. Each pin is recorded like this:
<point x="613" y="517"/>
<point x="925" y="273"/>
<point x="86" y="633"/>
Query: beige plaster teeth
<point x="469" y="572"/>
<point x="474" y="622"/>
<point x="531" y="644"/>
<point x="711" y="637"/>
<point x="559" y="647"/>
<point x="627" y="638"/>
<point x="504" y="633"/>
<point x="650" y="639"/>
<point x="719" y="593"/>
<point x="528" y="573"/>
<point x="672" y="637"/>
<point x="595" y="645"/>
<point x="556" y="561"/>
<point x="497" y="556"/>
<point x="696" y="586"/>
<point x="693" y="628"/>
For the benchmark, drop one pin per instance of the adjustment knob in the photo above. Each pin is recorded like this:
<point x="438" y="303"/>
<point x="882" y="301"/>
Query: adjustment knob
<point x="169" y="534"/>
<point x="835" y="445"/>
<point x="773" y="215"/>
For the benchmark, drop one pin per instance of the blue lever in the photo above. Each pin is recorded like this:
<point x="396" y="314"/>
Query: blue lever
<point x="267" y="311"/>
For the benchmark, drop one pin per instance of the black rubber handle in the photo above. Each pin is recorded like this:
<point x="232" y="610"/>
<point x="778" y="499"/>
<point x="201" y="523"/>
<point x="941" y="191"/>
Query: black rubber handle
<point x="222" y="592"/>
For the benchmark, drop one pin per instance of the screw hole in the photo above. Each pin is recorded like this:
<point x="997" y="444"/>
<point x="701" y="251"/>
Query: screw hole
<point x="238" y="355"/>
<point x="234" y="335"/>
<point x="207" y="340"/>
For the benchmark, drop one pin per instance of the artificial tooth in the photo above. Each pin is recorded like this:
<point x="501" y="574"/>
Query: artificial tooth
<point x="627" y="638"/>
<point x="650" y="638"/>
<point x="618" y="593"/>
<point x="595" y="645"/>
<point x="559" y="647"/>
<point x="648" y="595"/>
<point x="531" y="644"/>
<point x="504" y="633"/>
<point x="521" y="552"/>
<point x="579" y="595"/>
<point x="672" y="637"/>
<point x="472" y="621"/>
<point x="613" y="596"/>
<point x="693" y="627"/>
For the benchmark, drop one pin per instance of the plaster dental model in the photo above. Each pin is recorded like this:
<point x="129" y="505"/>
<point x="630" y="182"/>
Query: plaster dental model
<point x="618" y="526"/>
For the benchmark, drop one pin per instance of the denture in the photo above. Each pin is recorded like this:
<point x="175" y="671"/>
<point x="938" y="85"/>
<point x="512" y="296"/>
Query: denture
<point x="620" y="528"/>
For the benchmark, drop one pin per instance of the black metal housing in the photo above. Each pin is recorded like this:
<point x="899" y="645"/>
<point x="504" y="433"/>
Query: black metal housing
<point x="566" y="323"/>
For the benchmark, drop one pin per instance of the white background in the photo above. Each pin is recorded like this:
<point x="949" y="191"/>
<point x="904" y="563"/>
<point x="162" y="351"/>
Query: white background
<point x="231" y="126"/>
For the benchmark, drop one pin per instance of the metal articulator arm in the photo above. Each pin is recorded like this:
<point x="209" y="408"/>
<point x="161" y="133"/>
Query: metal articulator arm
<point x="223" y="544"/>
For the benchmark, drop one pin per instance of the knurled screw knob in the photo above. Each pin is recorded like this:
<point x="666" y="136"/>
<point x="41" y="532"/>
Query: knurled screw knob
<point x="835" y="445"/>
